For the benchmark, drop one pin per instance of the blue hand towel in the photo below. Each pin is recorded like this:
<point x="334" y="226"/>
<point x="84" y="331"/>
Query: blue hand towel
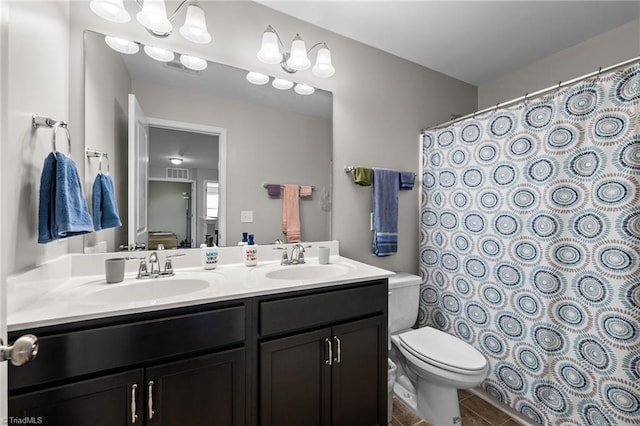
<point x="96" y="202"/>
<point x="407" y="180"/>
<point x="110" y="215"/>
<point x="46" y="214"/>
<point x="70" y="207"/>
<point x="385" y="211"/>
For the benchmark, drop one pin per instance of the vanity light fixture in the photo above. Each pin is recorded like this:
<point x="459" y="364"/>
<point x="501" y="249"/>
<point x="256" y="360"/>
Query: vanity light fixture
<point x="297" y="59"/>
<point x="176" y="160"/>
<point x="260" y="79"/>
<point x="153" y="16"/>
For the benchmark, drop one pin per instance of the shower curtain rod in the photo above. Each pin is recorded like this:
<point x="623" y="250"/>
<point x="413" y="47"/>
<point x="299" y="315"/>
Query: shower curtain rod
<point x="533" y="95"/>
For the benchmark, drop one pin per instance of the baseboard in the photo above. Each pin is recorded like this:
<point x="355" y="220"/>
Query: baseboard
<point x="516" y="415"/>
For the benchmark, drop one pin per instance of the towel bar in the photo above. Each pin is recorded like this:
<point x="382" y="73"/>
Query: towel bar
<point x="92" y="153"/>
<point x="41" y="121"/>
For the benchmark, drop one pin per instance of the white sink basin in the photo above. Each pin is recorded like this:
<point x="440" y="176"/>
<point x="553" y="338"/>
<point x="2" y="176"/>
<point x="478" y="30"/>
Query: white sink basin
<point x="307" y="272"/>
<point x="151" y="289"/>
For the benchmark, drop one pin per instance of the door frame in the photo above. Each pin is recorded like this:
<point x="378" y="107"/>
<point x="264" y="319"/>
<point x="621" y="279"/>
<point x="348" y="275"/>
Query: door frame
<point x="221" y="133"/>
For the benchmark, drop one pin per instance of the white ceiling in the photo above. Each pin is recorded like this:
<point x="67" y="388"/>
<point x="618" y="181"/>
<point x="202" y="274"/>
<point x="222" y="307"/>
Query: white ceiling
<point x="474" y="41"/>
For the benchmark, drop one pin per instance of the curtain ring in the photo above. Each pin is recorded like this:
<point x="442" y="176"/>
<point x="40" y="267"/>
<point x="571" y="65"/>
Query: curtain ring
<point x="53" y="137"/>
<point x="525" y="98"/>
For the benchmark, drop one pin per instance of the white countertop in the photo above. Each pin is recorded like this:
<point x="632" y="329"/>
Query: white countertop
<point x="85" y="297"/>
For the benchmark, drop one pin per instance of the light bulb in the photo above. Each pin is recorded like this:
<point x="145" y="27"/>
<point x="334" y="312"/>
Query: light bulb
<point x="111" y="10"/>
<point x="122" y="45"/>
<point x="269" y="52"/>
<point x="159" y="54"/>
<point x="193" y="62"/>
<point x="257" y="78"/>
<point x="176" y="160"/>
<point x="154" y="17"/>
<point x="323" y="67"/>
<point x="195" y="26"/>
<point x="298" y="60"/>
<point x="304" y="89"/>
<point x="282" y="84"/>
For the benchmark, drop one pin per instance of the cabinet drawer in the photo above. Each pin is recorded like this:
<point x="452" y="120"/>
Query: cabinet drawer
<point x="67" y="355"/>
<point x="315" y="310"/>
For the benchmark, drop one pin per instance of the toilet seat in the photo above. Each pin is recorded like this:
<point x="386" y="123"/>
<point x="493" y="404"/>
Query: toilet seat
<point x="443" y="350"/>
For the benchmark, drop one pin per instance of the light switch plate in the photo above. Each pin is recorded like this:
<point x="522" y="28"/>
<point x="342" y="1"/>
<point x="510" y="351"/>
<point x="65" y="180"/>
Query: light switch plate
<point x="246" y="216"/>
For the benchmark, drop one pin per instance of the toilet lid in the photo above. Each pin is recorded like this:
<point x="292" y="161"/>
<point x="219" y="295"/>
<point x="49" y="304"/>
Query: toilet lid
<point x="442" y="349"/>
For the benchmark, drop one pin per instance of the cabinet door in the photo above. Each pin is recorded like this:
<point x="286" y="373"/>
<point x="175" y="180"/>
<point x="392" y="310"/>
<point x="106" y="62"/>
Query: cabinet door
<point x="106" y="401"/>
<point x="295" y="380"/>
<point x="206" y="390"/>
<point x="359" y="373"/>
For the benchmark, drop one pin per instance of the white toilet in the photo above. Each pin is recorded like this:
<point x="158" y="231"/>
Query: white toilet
<point x="432" y="365"/>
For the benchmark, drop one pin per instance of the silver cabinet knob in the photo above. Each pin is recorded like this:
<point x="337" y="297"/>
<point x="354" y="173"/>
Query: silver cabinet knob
<point x="22" y="351"/>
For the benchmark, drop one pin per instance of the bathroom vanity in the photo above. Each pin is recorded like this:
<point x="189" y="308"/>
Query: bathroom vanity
<point x="283" y="353"/>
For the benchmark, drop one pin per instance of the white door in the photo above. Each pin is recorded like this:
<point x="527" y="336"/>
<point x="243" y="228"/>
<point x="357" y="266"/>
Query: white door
<point x="138" y="173"/>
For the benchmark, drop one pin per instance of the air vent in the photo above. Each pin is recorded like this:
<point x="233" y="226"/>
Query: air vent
<point x="176" y="173"/>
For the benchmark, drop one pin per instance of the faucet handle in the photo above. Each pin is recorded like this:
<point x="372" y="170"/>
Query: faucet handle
<point x="168" y="264"/>
<point x="284" y="260"/>
<point x="142" y="268"/>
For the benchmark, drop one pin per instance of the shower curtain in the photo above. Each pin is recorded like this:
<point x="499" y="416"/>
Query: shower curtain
<point x="530" y="248"/>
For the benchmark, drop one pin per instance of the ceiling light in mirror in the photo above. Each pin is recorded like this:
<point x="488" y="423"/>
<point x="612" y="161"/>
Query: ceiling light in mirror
<point x="304" y="89"/>
<point x="298" y="60"/>
<point x="111" y="10"/>
<point x="154" y="17"/>
<point x="257" y="78"/>
<point x="122" y="45"/>
<point x="323" y="67"/>
<point x="176" y="160"/>
<point x="269" y="52"/>
<point x="193" y="62"/>
<point x="195" y="26"/>
<point x="159" y="54"/>
<point x="282" y="84"/>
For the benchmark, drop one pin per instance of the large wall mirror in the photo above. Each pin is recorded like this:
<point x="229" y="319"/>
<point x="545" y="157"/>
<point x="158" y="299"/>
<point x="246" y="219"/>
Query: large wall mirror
<point x="233" y="138"/>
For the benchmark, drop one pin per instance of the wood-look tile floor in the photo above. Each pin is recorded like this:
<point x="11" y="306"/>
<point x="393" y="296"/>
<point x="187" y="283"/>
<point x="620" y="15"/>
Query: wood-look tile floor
<point x="475" y="411"/>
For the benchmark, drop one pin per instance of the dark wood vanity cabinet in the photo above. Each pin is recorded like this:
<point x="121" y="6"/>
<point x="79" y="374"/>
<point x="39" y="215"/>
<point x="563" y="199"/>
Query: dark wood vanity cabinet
<point x="333" y="374"/>
<point x="298" y="358"/>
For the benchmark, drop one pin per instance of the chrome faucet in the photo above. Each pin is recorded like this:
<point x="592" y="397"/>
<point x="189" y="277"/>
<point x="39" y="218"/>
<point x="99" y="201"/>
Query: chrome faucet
<point x="297" y="254"/>
<point x="153" y="270"/>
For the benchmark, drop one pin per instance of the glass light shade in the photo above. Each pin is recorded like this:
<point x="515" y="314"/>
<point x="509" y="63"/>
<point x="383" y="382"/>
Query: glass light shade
<point x="323" y="67"/>
<point x="298" y="59"/>
<point x="195" y="26"/>
<point x="175" y="160"/>
<point x="304" y="89"/>
<point x="257" y="78"/>
<point x="122" y="45"/>
<point x="154" y="17"/>
<point x="269" y="52"/>
<point x="159" y="54"/>
<point x="193" y="62"/>
<point x="111" y="10"/>
<point x="282" y="84"/>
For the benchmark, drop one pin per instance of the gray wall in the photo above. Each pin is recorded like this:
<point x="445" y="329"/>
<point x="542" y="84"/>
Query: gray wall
<point x="607" y="49"/>
<point x="107" y="85"/>
<point x="380" y="104"/>
<point x="35" y="79"/>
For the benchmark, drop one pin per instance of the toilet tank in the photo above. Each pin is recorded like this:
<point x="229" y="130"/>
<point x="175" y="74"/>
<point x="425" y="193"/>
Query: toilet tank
<point x="404" y="297"/>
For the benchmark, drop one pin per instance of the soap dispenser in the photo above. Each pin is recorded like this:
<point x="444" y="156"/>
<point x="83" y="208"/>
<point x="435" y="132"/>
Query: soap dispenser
<point x="244" y="240"/>
<point x="209" y="253"/>
<point x="250" y="252"/>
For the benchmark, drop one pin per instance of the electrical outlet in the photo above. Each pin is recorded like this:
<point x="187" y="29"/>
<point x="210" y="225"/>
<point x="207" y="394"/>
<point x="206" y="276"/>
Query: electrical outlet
<point x="246" y="216"/>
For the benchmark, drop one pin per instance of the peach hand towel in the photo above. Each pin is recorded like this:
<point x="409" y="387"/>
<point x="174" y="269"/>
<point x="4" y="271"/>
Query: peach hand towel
<point x="291" y="213"/>
<point x="306" y="191"/>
